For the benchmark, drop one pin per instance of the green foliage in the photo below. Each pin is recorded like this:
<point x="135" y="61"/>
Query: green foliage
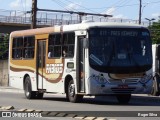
<point x="155" y="32"/>
<point x="4" y="46"/>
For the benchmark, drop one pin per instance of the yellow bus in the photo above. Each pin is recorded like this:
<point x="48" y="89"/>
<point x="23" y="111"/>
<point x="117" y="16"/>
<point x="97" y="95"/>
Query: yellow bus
<point x="94" y="58"/>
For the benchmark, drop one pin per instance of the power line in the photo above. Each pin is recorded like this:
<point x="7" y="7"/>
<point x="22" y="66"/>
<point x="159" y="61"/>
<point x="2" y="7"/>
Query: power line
<point x="80" y="6"/>
<point x="60" y="4"/>
<point x="64" y="4"/>
<point x="121" y="5"/>
<point x="125" y="5"/>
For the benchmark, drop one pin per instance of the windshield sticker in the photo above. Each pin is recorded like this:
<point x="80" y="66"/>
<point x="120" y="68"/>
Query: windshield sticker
<point x="95" y="59"/>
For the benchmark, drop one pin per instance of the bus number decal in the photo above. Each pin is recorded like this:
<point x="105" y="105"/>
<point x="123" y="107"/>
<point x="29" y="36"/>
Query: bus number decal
<point x="54" y="68"/>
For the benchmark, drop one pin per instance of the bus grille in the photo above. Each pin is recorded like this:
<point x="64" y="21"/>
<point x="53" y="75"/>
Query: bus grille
<point x="120" y="90"/>
<point x="126" y="81"/>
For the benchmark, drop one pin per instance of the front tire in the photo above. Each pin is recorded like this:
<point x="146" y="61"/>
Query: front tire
<point x="155" y="90"/>
<point x="28" y="89"/>
<point x="72" y="97"/>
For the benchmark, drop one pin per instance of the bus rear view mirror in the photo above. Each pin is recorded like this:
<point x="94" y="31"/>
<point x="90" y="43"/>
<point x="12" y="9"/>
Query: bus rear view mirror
<point x="85" y="43"/>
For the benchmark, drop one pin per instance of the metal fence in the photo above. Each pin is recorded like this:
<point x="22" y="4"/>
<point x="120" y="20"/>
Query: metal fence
<point x="51" y="19"/>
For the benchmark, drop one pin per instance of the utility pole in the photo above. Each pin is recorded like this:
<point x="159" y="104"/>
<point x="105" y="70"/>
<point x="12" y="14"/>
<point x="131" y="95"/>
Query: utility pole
<point x="140" y="11"/>
<point x="34" y="14"/>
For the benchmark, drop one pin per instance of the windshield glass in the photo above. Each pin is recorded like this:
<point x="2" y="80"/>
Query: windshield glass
<point x="120" y="49"/>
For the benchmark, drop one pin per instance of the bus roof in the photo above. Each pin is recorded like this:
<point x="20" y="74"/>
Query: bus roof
<point x="72" y="27"/>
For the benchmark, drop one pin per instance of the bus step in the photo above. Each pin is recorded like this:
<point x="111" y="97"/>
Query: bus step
<point x="81" y="93"/>
<point x="41" y="90"/>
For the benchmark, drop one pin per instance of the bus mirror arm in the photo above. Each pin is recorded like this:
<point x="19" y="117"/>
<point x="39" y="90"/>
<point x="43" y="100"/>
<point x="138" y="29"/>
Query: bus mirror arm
<point x="85" y="43"/>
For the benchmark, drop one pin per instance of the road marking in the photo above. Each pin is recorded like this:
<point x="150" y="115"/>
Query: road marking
<point x="30" y="110"/>
<point x="7" y="107"/>
<point x="56" y="114"/>
<point x="53" y="113"/>
<point x="101" y="118"/>
<point x="79" y="117"/>
<point x="71" y="115"/>
<point x="90" y="118"/>
<point x="45" y="112"/>
<point x="61" y="115"/>
<point x="22" y="110"/>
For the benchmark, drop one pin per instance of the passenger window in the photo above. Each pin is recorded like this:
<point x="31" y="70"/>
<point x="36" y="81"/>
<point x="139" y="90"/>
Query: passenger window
<point x="28" y="49"/>
<point x="23" y="47"/>
<point x="17" y="48"/>
<point x="61" y="45"/>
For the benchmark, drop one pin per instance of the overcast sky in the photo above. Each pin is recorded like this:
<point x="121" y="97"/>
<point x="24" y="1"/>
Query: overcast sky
<point x="128" y="9"/>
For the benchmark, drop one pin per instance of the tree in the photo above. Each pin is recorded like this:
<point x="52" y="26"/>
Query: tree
<point x="155" y="32"/>
<point x="4" y="46"/>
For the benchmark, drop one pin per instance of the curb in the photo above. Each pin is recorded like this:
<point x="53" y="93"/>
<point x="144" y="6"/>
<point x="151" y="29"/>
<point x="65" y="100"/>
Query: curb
<point x="10" y="89"/>
<point x="54" y="114"/>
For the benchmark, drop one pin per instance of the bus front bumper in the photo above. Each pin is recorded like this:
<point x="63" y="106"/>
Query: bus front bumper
<point x="138" y="88"/>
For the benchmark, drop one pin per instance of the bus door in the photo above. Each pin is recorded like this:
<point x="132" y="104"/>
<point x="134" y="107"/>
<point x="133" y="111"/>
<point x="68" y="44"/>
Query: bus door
<point x="81" y="65"/>
<point x="41" y="63"/>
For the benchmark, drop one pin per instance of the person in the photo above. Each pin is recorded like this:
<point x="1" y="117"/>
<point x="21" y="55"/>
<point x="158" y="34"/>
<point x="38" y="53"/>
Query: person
<point x="49" y="54"/>
<point x="26" y="50"/>
<point x="64" y="53"/>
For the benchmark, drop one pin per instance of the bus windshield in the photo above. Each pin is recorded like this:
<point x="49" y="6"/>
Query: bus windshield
<point x="120" y="50"/>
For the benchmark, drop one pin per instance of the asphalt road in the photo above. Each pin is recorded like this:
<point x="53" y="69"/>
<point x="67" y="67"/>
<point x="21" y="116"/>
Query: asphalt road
<point x="94" y="107"/>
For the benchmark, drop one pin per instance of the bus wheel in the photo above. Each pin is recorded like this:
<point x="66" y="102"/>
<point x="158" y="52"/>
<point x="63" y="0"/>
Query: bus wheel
<point x="155" y="91"/>
<point x="72" y="97"/>
<point x="27" y="89"/>
<point x="123" y="98"/>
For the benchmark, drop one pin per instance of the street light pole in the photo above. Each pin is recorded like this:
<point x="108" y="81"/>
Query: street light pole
<point x="140" y="11"/>
<point x="150" y="20"/>
<point x="34" y="14"/>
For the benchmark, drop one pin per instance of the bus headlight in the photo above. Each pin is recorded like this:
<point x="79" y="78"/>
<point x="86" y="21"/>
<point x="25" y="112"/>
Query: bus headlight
<point x="146" y="78"/>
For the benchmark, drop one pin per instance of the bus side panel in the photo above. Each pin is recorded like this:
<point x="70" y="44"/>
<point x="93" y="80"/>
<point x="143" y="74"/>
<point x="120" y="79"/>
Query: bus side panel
<point x="17" y="79"/>
<point x="19" y="69"/>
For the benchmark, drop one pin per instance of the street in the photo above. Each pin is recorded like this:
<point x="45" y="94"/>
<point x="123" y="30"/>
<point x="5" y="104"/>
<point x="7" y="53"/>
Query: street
<point x="90" y="106"/>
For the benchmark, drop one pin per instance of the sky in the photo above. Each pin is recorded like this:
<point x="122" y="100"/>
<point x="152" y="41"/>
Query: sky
<point x="126" y="9"/>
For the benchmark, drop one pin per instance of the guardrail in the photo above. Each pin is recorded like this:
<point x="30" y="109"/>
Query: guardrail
<point x="51" y="19"/>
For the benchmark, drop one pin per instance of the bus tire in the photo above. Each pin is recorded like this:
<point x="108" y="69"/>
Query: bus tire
<point x="72" y="97"/>
<point x="123" y="98"/>
<point x="155" y="91"/>
<point x="28" y="89"/>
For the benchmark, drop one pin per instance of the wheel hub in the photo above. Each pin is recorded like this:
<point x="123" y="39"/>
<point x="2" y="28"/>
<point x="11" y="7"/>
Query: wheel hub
<point x="71" y="90"/>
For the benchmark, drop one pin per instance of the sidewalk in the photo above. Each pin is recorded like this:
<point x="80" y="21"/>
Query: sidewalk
<point x="10" y="89"/>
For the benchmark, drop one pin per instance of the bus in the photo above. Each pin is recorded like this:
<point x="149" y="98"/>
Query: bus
<point x="92" y="58"/>
<point x="156" y="69"/>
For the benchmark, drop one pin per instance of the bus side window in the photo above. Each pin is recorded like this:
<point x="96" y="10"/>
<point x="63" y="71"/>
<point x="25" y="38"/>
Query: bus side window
<point x="68" y="44"/>
<point x="28" y="49"/>
<point x="61" y="45"/>
<point x="54" y="46"/>
<point x="17" y="48"/>
<point x="57" y="51"/>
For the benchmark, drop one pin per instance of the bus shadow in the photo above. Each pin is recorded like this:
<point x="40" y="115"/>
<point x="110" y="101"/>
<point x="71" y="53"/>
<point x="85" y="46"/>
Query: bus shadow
<point x="111" y="100"/>
<point x="55" y="99"/>
<point x="135" y="101"/>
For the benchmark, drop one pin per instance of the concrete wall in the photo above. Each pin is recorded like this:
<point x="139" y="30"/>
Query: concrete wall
<point x="3" y="72"/>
